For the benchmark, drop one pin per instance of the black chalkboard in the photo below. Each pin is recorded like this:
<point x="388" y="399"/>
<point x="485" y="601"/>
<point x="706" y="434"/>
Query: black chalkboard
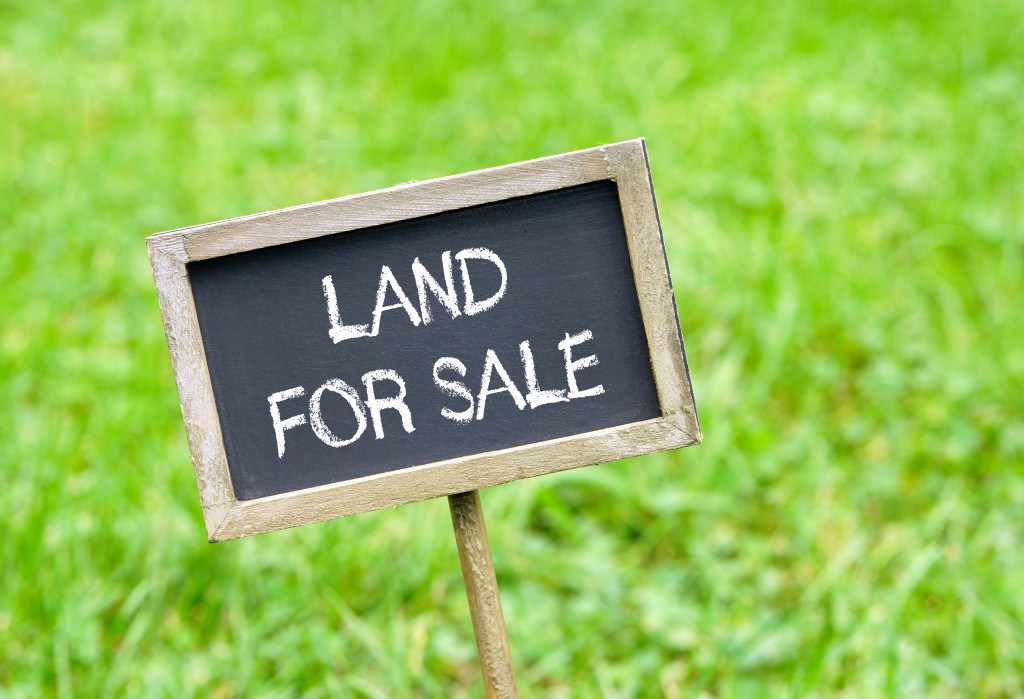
<point x="265" y="321"/>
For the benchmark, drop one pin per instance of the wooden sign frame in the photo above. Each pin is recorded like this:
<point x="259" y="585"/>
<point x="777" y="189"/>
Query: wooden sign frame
<point x="624" y="163"/>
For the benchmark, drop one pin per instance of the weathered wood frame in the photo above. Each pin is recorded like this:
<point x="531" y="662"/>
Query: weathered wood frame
<point x="228" y="518"/>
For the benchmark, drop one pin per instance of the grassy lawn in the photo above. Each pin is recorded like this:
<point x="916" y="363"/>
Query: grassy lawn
<point x="842" y="192"/>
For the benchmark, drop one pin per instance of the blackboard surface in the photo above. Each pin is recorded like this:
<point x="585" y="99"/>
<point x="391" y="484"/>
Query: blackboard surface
<point x="265" y="329"/>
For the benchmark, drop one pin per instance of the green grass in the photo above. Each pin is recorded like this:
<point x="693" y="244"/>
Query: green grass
<point x="842" y="192"/>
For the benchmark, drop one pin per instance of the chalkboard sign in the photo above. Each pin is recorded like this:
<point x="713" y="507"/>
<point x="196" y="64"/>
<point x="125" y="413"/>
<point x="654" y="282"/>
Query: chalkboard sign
<point x="424" y="340"/>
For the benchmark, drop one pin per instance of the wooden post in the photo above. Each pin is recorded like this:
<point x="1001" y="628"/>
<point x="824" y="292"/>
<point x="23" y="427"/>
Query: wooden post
<point x="482" y="591"/>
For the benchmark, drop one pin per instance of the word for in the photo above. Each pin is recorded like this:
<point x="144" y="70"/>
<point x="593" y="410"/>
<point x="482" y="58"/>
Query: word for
<point x="446" y="295"/>
<point x="494" y="379"/>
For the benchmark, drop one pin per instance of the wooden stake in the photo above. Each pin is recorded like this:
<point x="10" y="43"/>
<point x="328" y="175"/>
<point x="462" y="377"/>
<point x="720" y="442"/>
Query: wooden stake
<point x="482" y="591"/>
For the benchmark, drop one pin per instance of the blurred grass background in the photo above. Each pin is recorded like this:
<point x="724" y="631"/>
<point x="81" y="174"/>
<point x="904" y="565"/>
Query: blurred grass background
<point x="842" y="195"/>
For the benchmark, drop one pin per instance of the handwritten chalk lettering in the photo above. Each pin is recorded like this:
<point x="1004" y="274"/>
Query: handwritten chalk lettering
<point x="573" y="365"/>
<point x="316" y="418"/>
<point x="446" y="296"/>
<point x="491" y="363"/>
<point x="454" y="389"/>
<point x="424" y="281"/>
<point x="275" y="414"/>
<point x="535" y="396"/>
<point x="373" y="403"/>
<point x="473" y="307"/>
<point x="339" y="331"/>
<point x="396" y="403"/>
